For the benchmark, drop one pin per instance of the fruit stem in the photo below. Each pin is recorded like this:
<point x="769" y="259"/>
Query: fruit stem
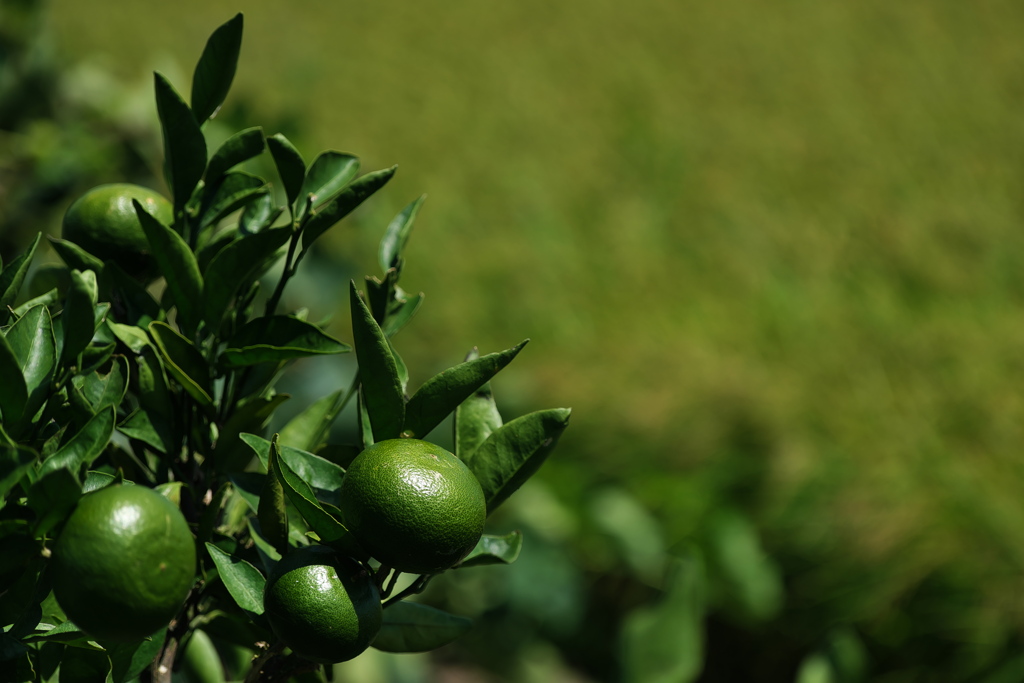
<point x="414" y="588"/>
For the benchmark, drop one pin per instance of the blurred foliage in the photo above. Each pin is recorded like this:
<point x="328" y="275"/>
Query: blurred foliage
<point x="771" y="253"/>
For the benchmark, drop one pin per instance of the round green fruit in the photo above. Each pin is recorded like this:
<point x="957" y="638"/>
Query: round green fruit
<point x="104" y="223"/>
<point x="323" y="606"/>
<point x="413" y="505"/>
<point x="124" y="563"/>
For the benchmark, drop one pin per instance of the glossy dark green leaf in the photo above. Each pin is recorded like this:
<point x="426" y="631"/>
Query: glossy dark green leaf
<point x="664" y="643"/>
<point x="151" y="429"/>
<point x="242" y="146"/>
<point x="495" y="550"/>
<point x="184" y="144"/>
<point x="94" y="481"/>
<point x="321" y="522"/>
<point x="78" y="316"/>
<point x="32" y="342"/>
<point x="83" y="447"/>
<point x="74" y="256"/>
<point x="290" y="165"/>
<point x="104" y="390"/>
<point x="382" y="389"/>
<point x="476" y="418"/>
<point x="389" y="254"/>
<point x="216" y="69"/>
<point x="308" y="430"/>
<point x="352" y="196"/>
<point x="259" y="215"/>
<point x="326" y="177"/>
<point x="179" y="267"/>
<point x="237" y="264"/>
<point x="52" y="497"/>
<point x="231" y="453"/>
<point x="444" y="392"/>
<point x="13" y="276"/>
<point x="15" y="461"/>
<point x="413" y="627"/>
<point x="271" y="511"/>
<point x="277" y="338"/>
<point x="244" y="582"/>
<point x="318" y="472"/>
<point x="46" y="299"/>
<point x="128" y="660"/>
<point x="13" y="390"/>
<point x="185" y="362"/>
<point x="234" y="191"/>
<point x="513" y="453"/>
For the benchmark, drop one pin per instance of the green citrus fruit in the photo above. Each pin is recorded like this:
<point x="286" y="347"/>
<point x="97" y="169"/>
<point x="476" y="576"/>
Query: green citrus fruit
<point x="124" y="563"/>
<point x="413" y="505"/>
<point x="104" y="223"/>
<point x="325" y="607"/>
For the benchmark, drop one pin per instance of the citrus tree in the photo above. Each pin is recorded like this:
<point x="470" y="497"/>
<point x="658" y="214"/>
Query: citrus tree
<point x="147" y="522"/>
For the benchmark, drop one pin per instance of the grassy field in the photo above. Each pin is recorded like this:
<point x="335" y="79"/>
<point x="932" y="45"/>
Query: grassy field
<point x="771" y="254"/>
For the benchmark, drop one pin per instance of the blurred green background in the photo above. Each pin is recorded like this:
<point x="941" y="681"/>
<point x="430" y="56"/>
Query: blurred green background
<point x="771" y="254"/>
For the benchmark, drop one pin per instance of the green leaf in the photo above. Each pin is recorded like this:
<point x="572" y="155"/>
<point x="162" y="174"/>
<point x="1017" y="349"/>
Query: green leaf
<point x="277" y="338"/>
<point x="494" y="550"/>
<point x="378" y="371"/>
<point x="513" y="453"/>
<point x="15" y="462"/>
<point x="13" y="390"/>
<point x="216" y="69"/>
<point x="151" y="429"/>
<point x="83" y="447"/>
<point x="290" y="165"/>
<point x="476" y="418"/>
<point x="308" y="430"/>
<point x="244" y="582"/>
<point x="76" y="257"/>
<point x="444" y="392"/>
<point x="12" y="277"/>
<point x="230" y="193"/>
<point x="184" y="144"/>
<point x="128" y="660"/>
<point x="400" y="313"/>
<point x="664" y="643"/>
<point x="633" y="530"/>
<point x="94" y="481"/>
<point x="326" y="526"/>
<point x="179" y="266"/>
<point x="236" y="265"/>
<point x="185" y="362"/>
<point x="78" y="316"/>
<point x="242" y="146"/>
<point x="102" y="391"/>
<point x="258" y="215"/>
<point x="413" y="627"/>
<point x="318" y="472"/>
<point x="48" y="299"/>
<point x="397" y="234"/>
<point x="735" y="555"/>
<point x="326" y="177"/>
<point x="352" y="196"/>
<point x="32" y="342"/>
<point x="52" y="497"/>
<point x="271" y="511"/>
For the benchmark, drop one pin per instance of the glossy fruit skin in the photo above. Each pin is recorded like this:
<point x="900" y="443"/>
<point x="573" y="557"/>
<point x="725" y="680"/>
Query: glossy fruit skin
<point x="124" y="563"/>
<point x="325" y="607"/>
<point x="104" y="223"/>
<point x="413" y="505"/>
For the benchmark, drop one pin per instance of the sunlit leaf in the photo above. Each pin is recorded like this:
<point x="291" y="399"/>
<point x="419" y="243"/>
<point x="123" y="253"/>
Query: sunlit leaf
<point x="12" y="277"/>
<point x="228" y="194"/>
<point x="185" y="362"/>
<point x="179" y="267"/>
<point x="352" y="196"/>
<point x="271" y="510"/>
<point x="475" y="418"/>
<point x="326" y="177"/>
<point x="244" y="582"/>
<point x="242" y="146"/>
<point x="495" y="550"/>
<point x="308" y="430"/>
<point x="278" y="338"/>
<point x="378" y="372"/>
<point x="513" y="453"/>
<point x="397" y="234"/>
<point x="83" y="447"/>
<point x="216" y="69"/>
<point x="184" y="144"/>
<point x="444" y="392"/>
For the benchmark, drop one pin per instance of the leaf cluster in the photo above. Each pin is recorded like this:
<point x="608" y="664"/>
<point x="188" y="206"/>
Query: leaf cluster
<point x="172" y="386"/>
